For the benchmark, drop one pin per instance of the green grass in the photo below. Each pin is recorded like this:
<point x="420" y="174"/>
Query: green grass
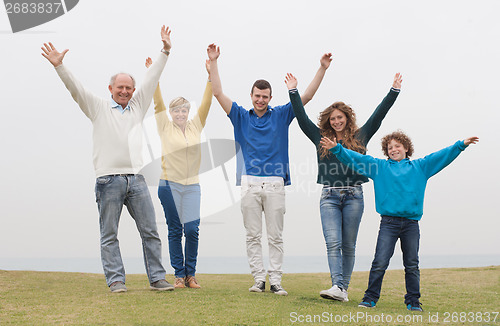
<point x="45" y="298"/>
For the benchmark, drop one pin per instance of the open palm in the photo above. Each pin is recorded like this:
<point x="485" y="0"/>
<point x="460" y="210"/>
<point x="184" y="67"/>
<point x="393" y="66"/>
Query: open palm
<point x="50" y="53"/>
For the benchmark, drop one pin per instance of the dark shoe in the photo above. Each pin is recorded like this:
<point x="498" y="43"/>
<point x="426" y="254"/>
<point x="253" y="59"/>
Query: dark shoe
<point x="277" y="289"/>
<point x="367" y="303"/>
<point x="414" y="306"/>
<point x="117" y="287"/>
<point x="161" y="285"/>
<point x="259" y="286"/>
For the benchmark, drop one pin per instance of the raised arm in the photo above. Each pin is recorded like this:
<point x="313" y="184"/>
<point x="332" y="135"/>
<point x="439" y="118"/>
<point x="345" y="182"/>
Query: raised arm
<point x="87" y="101"/>
<point x="206" y="102"/>
<point x="225" y="102"/>
<point x="305" y="124"/>
<point x="363" y="164"/>
<point x="373" y="123"/>
<point x="50" y="53"/>
<point x="144" y="94"/>
<point x="435" y="162"/>
<point x="318" y="78"/>
<point x="157" y="97"/>
<point x="161" y="115"/>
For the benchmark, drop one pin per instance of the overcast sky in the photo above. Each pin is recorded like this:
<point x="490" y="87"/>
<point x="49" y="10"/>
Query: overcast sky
<point x="447" y="51"/>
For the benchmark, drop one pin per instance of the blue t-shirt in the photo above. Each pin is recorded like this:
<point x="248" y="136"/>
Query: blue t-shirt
<point x="263" y="141"/>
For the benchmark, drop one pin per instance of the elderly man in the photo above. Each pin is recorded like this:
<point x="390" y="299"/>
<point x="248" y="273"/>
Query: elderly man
<point x="117" y="136"/>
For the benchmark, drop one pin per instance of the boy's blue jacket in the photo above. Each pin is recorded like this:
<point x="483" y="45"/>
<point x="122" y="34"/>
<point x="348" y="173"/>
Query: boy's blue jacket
<point x="399" y="186"/>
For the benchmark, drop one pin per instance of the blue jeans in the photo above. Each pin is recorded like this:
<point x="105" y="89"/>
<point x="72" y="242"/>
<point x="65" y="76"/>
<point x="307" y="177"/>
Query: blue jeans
<point x="131" y="190"/>
<point x="341" y="210"/>
<point x="181" y="204"/>
<point x="392" y="229"/>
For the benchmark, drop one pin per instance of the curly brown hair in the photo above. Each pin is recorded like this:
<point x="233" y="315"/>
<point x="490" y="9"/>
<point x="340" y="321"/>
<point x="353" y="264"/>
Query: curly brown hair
<point x="401" y="138"/>
<point x="351" y="129"/>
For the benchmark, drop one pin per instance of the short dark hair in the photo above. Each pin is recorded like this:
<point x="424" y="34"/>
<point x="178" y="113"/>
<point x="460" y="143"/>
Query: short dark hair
<point x="401" y="138"/>
<point x="262" y="84"/>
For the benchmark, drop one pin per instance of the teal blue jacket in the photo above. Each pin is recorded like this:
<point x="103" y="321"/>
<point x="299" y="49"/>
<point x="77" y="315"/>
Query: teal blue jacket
<point x="399" y="186"/>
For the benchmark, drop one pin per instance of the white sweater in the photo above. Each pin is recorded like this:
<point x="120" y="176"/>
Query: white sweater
<point x="117" y="137"/>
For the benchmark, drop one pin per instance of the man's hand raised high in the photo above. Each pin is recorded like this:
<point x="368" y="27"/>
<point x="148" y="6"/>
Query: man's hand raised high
<point x="165" y="38"/>
<point x="213" y="52"/>
<point x="50" y="53"/>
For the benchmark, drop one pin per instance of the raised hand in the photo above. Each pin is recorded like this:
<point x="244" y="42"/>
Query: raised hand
<point x="328" y="143"/>
<point x="213" y="52"/>
<point x="50" y="53"/>
<point x="165" y="38"/>
<point x="325" y="60"/>
<point x="398" y="79"/>
<point x="471" y="140"/>
<point x="290" y="81"/>
<point x="207" y="65"/>
<point x="149" y="62"/>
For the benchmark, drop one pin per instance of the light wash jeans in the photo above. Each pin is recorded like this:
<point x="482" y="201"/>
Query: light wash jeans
<point x="131" y="190"/>
<point x="181" y="204"/>
<point x="263" y="194"/>
<point x="408" y="232"/>
<point x="341" y="210"/>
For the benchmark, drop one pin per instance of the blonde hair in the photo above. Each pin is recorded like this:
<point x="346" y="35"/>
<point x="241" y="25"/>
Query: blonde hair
<point x="178" y="103"/>
<point x="349" y="133"/>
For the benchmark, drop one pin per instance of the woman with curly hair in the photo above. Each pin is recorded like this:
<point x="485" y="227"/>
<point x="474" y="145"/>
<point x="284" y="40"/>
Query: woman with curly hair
<point x="341" y="203"/>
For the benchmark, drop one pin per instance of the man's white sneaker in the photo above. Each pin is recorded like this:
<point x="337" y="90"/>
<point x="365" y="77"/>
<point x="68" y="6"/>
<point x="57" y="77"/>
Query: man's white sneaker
<point x="277" y="289"/>
<point x="259" y="286"/>
<point x="334" y="293"/>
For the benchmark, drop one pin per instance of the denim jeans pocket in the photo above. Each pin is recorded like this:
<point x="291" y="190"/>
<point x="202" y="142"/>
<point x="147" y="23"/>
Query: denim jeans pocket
<point x="104" y="180"/>
<point x="358" y="192"/>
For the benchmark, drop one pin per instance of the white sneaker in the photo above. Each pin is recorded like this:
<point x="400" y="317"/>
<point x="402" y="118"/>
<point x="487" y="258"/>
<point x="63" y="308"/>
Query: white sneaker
<point x="259" y="286"/>
<point x="334" y="293"/>
<point x="346" y="298"/>
<point x="277" y="289"/>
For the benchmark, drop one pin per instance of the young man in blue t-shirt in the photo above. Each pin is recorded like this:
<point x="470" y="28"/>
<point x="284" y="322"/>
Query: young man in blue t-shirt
<point x="262" y="133"/>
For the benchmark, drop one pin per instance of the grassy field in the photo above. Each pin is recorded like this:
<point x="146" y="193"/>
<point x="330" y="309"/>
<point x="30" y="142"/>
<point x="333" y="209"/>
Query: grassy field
<point x="468" y="296"/>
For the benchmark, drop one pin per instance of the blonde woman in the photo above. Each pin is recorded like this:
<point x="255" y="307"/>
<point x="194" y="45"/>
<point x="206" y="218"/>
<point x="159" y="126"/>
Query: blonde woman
<point x="179" y="189"/>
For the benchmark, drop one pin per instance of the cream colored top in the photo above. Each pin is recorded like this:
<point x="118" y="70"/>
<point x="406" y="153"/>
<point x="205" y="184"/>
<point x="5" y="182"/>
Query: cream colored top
<point x="117" y="136"/>
<point x="181" y="151"/>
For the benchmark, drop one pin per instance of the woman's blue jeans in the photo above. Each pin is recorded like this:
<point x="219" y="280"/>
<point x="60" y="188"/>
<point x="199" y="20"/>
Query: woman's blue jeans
<point x="341" y="210"/>
<point x="181" y="204"/>
<point x="408" y="232"/>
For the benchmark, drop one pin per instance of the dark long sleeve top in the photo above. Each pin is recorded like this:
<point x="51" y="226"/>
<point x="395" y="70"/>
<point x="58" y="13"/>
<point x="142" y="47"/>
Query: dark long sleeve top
<point x="331" y="172"/>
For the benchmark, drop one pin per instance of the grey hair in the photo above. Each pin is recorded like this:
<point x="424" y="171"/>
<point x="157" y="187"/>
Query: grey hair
<point x="113" y="78"/>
